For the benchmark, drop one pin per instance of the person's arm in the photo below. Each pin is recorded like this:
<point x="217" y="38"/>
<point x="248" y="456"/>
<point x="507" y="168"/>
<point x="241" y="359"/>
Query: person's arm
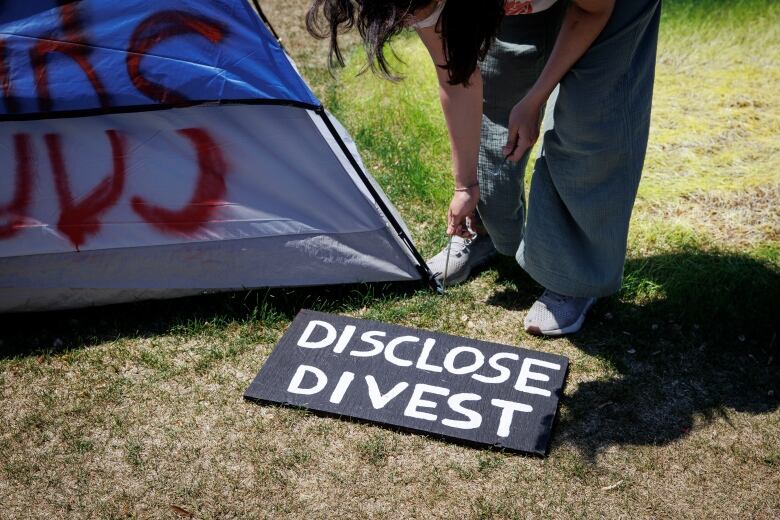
<point x="462" y="108"/>
<point x="582" y="23"/>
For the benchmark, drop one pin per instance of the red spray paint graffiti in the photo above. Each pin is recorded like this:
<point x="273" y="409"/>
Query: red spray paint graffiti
<point x="14" y="212"/>
<point x="79" y="218"/>
<point x="11" y="105"/>
<point x="152" y="31"/>
<point x="73" y="44"/>
<point x="209" y="191"/>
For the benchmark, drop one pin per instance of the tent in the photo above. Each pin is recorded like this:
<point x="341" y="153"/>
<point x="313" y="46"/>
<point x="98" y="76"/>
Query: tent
<point x="169" y="148"/>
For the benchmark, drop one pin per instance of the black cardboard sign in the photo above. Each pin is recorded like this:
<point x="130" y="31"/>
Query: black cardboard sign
<point x="457" y="388"/>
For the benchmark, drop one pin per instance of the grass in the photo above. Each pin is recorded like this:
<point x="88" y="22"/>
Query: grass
<point x="671" y="409"/>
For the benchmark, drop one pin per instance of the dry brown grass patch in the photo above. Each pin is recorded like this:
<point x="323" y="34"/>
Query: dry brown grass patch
<point x="735" y="219"/>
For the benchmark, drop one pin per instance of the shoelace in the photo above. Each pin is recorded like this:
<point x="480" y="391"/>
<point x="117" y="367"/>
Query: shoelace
<point x="553" y="297"/>
<point x="461" y="247"/>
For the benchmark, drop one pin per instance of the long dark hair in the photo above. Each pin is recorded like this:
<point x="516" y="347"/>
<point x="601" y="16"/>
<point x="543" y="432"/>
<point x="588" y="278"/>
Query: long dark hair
<point x="467" y="28"/>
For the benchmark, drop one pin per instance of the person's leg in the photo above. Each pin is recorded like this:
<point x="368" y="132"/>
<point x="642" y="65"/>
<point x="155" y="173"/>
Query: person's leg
<point x="585" y="183"/>
<point x="509" y="70"/>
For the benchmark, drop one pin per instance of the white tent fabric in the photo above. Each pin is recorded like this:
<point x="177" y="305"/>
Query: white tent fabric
<point x="145" y="204"/>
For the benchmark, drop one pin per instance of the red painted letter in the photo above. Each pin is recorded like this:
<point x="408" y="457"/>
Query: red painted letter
<point x="155" y="29"/>
<point x="80" y="217"/>
<point x="14" y="212"/>
<point x="11" y="105"/>
<point x="72" y="44"/>
<point x="209" y="192"/>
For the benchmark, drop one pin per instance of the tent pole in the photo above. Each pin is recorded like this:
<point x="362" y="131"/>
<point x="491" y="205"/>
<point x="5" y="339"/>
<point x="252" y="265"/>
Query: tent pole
<point x="422" y="266"/>
<point x="267" y="22"/>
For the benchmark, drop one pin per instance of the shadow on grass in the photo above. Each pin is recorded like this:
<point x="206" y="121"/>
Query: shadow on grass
<point x="50" y="333"/>
<point x="692" y="336"/>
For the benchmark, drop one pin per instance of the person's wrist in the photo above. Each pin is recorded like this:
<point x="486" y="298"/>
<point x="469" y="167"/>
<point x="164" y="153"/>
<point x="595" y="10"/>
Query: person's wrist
<point x="537" y="96"/>
<point x="466" y="188"/>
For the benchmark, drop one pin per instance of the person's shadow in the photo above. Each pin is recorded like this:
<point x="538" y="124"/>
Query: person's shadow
<point x="691" y="337"/>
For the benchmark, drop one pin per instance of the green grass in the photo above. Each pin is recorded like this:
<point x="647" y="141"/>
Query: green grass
<point x="722" y="55"/>
<point x="671" y="407"/>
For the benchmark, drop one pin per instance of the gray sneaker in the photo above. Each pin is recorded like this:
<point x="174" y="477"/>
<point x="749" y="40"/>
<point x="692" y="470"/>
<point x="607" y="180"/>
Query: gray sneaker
<point x="466" y="255"/>
<point x="554" y="314"/>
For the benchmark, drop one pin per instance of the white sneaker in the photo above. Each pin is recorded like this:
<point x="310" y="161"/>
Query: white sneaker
<point x="554" y="314"/>
<point x="466" y="255"/>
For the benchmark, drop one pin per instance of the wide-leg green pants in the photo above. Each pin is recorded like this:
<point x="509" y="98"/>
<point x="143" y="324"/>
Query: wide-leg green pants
<point x="572" y="236"/>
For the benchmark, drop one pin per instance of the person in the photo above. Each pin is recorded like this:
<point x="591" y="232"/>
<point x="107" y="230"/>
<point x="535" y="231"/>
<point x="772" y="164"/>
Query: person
<point x="591" y="63"/>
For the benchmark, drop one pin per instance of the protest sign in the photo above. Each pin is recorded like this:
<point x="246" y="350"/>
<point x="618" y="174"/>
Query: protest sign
<point x="457" y="388"/>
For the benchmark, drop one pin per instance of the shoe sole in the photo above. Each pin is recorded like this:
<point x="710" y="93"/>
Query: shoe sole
<point x="571" y="329"/>
<point x="455" y="281"/>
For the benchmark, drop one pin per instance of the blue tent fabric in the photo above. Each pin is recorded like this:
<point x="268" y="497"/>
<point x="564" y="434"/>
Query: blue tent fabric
<point x="67" y="55"/>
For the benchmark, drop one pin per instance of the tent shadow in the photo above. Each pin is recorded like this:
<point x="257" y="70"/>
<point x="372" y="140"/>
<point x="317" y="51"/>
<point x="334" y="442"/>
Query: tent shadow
<point x="22" y="335"/>
<point x="693" y="338"/>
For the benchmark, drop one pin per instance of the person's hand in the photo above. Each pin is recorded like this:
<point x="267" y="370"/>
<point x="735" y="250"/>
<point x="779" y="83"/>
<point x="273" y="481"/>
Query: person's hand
<point x="462" y="207"/>
<point x="523" y="129"/>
